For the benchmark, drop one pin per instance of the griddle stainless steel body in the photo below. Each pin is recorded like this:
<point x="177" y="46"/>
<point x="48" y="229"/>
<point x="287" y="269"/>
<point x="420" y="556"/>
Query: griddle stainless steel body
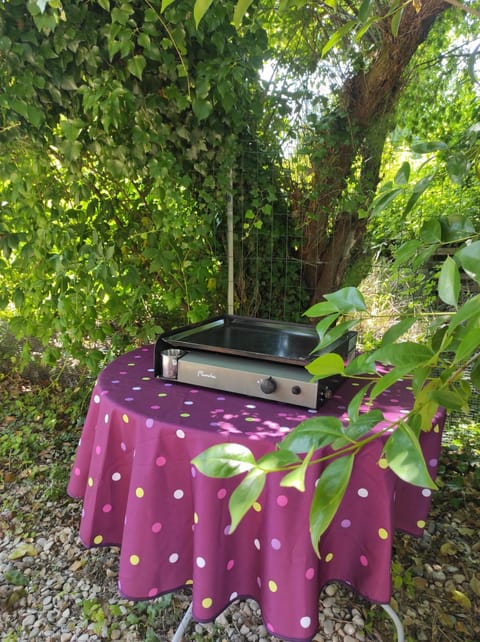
<point x="260" y="358"/>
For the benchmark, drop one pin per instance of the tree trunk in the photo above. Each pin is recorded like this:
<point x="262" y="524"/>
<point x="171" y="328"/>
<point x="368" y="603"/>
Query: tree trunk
<point x="333" y="216"/>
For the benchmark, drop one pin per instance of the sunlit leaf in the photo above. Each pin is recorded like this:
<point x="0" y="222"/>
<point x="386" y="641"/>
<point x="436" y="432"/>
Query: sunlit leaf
<point x="312" y="433"/>
<point x="347" y="299"/>
<point x="397" y="330"/>
<point x="387" y="380"/>
<point x="323" y="325"/>
<point x="338" y="36"/>
<point x="328" y="496"/>
<point x="451" y="399"/>
<point x="364" y="10"/>
<point x="406" y="354"/>
<point x="418" y="189"/>
<point x="469" y="344"/>
<point x="166" y="3"/>
<point x="396" y="20"/>
<point x="362" y="364"/>
<point x="241" y="9"/>
<point x="225" y="460"/>
<point x="469" y="310"/>
<point x="381" y="202"/>
<point x="431" y="231"/>
<point x="245" y="495"/>
<point x="403" y="174"/>
<point x="321" y="309"/>
<point x="277" y="459"/>
<point x="469" y="258"/>
<point x="449" y="282"/>
<point x="457" y="168"/>
<point x="405" y="457"/>
<point x="326" y="365"/>
<point x="199" y="9"/>
<point x="296" y="477"/>
<point x="335" y="333"/>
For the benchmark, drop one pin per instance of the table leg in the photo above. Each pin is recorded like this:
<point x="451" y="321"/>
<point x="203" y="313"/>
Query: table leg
<point x="396" y="620"/>
<point x="182" y="627"/>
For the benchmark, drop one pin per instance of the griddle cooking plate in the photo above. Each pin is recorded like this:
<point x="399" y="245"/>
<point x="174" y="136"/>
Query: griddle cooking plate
<point x="249" y="337"/>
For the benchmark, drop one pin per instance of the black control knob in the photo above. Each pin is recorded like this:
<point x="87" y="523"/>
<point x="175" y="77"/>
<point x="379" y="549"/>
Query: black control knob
<point x="268" y="385"/>
<point x="296" y="390"/>
<point x="327" y="393"/>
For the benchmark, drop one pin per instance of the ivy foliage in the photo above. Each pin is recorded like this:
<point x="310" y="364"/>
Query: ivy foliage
<point x="436" y="367"/>
<point x="119" y="127"/>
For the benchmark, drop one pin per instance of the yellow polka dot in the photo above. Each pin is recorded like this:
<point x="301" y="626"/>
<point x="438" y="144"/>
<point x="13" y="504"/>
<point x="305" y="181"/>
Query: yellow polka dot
<point x="98" y="539"/>
<point x="257" y="507"/>
<point x="125" y="419"/>
<point x="436" y="429"/>
<point x="134" y="560"/>
<point x="189" y="582"/>
<point x="145" y="378"/>
<point x="90" y="482"/>
<point x="383" y="463"/>
<point x="207" y="602"/>
<point x="421" y="523"/>
<point x="272" y="586"/>
<point x="195" y="518"/>
<point x="329" y="557"/>
<point x="382" y="533"/>
<point x="131" y="364"/>
<point x="162" y="394"/>
<point x="139" y="492"/>
<point x="185" y="414"/>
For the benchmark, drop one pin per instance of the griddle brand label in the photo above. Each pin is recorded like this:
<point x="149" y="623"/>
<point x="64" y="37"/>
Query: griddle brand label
<point x="206" y="375"/>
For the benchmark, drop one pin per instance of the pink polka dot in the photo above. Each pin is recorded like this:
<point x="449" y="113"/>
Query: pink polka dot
<point x="160" y="461"/>
<point x="310" y="573"/>
<point x="282" y="500"/>
<point x="363" y="560"/>
<point x="276" y="544"/>
<point x="157" y="527"/>
<point x="230" y="564"/>
<point x="107" y="508"/>
<point x="346" y="523"/>
<point x="77" y="472"/>
<point x="123" y="446"/>
<point x="222" y="493"/>
<point x="155" y="407"/>
<point x="98" y="450"/>
<point x="153" y="592"/>
<point x="149" y="423"/>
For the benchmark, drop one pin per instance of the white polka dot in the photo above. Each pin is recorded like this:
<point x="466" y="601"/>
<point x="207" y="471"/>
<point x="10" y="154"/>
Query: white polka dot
<point x="233" y="596"/>
<point x="276" y="544"/>
<point x="178" y="494"/>
<point x="180" y="434"/>
<point x="96" y="399"/>
<point x="257" y="544"/>
<point x="362" y="492"/>
<point x="149" y="423"/>
<point x="200" y="562"/>
<point x="116" y="477"/>
<point x="305" y="622"/>
<point x="106" y="418"/>
<point x="426" y="492"/>
<point x="173" y="558"/>
<point x="136" y="388"/>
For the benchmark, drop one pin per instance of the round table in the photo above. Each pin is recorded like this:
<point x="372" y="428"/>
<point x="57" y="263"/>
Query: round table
<point x="140" y="492"/>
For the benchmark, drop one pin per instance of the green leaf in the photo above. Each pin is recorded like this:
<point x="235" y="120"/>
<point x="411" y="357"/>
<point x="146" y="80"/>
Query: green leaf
<point x="240" y="10"/>
<point x="384" y="199"/>
<point x="451" y="398"/>
<point x="431" y="231"/>
<point x="166" y="3"/>
<point x="469" y="310"/>
<point x="245" y="495"/>
<point x="202" y="108"/>
<point x="328" y="496"/>
<point x="105" y="4"/>
<point x="296" y="477"/>
<point x="312" y="433"/>
<point x="277" y="460"/>
<point x="321" y="309"/>
<point x="136" y="65"/>
<point x="403" y="174"/>
<point x="347" y="299"/>
<point x="387" y="380"/>
<point x="364" y="10"/>
<point x="406" y="251"/>
<point x="396" y="20"/>
<point x="469" y="258"/>
<point x="199" y="10"/>
<point x="363" y="364"/>
<point x="456" y="228"/>
<point x="405" y="355"/>
<point x="363" y="423"/>
<point x="225" y="460"/>
<point x="337" y="36"/>
<point x="449" y="282"/>
<point x="355" y="403"/>
<point x="335" y="333"/>
<point x="323" y="325"/>
<point x="475" y="374"/>
<point x="418" y="189"/>
<point x="397" y="330"/>
<point x="326" y="365"/>
<point x="429" y="146"/>
<point x="468" y="345"/>
<point x="405" y="457"/>
<point x="457" y="168"/>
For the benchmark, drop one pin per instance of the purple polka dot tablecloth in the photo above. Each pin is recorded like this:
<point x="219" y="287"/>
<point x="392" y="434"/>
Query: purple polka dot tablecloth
<point x="141" y="493"/>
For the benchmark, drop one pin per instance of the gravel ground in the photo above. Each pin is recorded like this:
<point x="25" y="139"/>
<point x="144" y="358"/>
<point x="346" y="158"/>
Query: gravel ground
<point x="51" y="588"/>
